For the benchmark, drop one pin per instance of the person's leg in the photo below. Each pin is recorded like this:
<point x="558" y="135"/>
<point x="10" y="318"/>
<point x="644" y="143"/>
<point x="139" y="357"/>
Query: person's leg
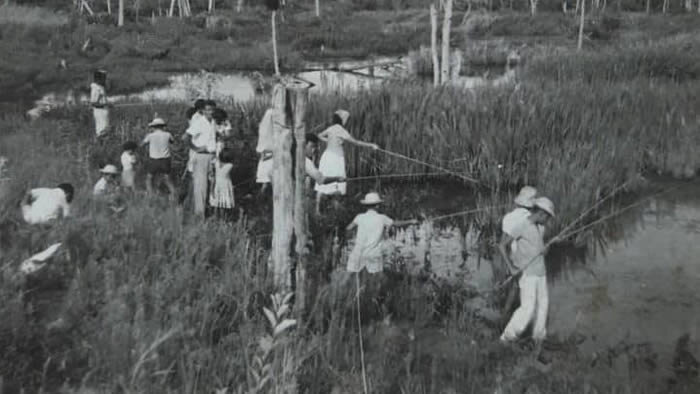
<point x="149" y="182"/>
<point x="319" y="197"/>
<point x="171" y="186"/>
<point x="522" y="316"/>
<point x="200" y="172"/>
<point x="539" y="330"/>
<point x="185" y="187"/>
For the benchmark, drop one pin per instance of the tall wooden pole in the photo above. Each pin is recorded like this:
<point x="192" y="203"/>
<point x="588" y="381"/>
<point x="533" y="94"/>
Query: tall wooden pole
<point x="120" y="18"/>
<point x="299" y="94"/>
<point x="434" y="43"/>
<point x="274" y="42"/>
<point x="581" y="25"/>
<point x="282" y="192"/>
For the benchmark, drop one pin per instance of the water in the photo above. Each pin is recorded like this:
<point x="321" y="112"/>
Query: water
<point x="641" y="287"/>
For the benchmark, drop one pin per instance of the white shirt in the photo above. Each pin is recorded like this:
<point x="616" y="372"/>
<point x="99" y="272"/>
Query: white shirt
<point x="312" y="171"/>
<point x="335" y="134"/>
<point x="158" y="144"/>
<point x="47" y="204"/>
<point x="102" y="187"/>
<point x="97" y="94"/>
<point x="512" y="219"/>
<point x="370" y="232"/>
<point x="128" y="161"/>
<point x="530" y="240"/>
<point x="203" y="132"/>
<point x="265" y="134"/>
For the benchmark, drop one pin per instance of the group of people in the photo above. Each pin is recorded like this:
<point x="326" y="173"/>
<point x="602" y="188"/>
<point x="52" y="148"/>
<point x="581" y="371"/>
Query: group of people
<point x="209" y="182"/>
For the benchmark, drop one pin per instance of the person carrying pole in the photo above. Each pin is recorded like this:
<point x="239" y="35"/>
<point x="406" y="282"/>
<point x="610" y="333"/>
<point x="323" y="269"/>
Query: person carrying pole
<point x="529" y="256"/>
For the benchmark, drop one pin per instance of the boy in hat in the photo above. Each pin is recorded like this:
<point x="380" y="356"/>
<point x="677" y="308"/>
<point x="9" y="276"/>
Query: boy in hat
<point x="108" y="183"/>
<point x="528" y="257"/>
<point x="98" y="100"/>
<point x="159" y="161"/>
<point x="367" y="252"/>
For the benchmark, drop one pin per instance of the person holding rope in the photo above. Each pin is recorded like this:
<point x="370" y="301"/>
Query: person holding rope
<point x="266" y="141"/>
<point x="333" y="158"/>
<point x="528" y="256"/>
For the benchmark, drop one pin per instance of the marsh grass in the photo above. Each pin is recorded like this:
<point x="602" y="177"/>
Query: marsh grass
<point x="32" y="16"/>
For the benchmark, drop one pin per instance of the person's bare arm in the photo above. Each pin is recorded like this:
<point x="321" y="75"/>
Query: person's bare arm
<point x="323" y="136"/>
<point x="357" y="142"/>
<point x="506" y="240"/>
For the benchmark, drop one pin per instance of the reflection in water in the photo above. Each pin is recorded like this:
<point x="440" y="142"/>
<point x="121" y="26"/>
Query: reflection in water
<point x="638" y="278"/>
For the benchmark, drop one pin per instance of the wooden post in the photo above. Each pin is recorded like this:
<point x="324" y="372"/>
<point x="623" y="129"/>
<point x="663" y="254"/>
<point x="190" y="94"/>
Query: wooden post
<point x="274" y="42"/>
<point x="282" y="192"/>
<point x="120" y="18"/>
<point x="581" y="25"/>
<point x="298" y="92"/>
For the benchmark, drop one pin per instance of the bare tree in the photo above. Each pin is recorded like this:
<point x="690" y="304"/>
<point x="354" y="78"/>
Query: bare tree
<point x="664" y="8"/>
<point x="580" y="26"/>
<point x="318" y="8"/>
<point x="239" y="5"/>
<point x="109" y="7"/>
<point x="120" y="18"/>
<point x="433" y="43"/>
<point x="533" y="7"/>
<point x="446" y="27"/>
<point x="211" y="6"/>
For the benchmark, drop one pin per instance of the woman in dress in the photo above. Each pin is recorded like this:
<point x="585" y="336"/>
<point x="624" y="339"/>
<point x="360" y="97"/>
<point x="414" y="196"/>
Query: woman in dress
<point x="98" y="100"/>
<point x="333" y="158"/>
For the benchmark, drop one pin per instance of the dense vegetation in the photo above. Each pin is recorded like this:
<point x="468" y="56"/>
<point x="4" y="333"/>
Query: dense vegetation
<point x="151" y="301"/>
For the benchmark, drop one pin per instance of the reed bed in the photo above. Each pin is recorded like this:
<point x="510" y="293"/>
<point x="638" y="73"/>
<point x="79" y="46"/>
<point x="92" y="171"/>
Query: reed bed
<point x="30" y="16"/>
<point x="151" y="301"/>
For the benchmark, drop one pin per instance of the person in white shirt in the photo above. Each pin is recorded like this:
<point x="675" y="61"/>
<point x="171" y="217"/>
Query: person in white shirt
<point x="128" y="159"/>
<point x="98" y="100"/>
<point x="108" y="184"/>
<point x="191" y="113"/>
<point x="312" y="172"/>
<point x="333" y="158"/>
<point x="367" y="253"/>
<point x="42" y="205"/>
<point x="524" y="201"/>
<point x="201" y="138"/>
<point x="266" y="141"/>
<point x="159" y="160"/>
<point x="528" y="259"/>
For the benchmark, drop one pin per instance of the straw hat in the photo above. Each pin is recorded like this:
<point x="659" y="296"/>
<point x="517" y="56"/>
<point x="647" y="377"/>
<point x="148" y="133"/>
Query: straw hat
<point x="526" y="197"/>
<point x="371" y="198"/>
<point x="343" y="115"/>
<point x="157" y="122"/>
<point x="545" y="204"/>
<point x="110" y="169"/>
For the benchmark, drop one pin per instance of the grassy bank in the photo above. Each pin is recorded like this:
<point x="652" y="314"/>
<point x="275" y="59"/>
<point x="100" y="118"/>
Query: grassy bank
<point x="151" y="301"/>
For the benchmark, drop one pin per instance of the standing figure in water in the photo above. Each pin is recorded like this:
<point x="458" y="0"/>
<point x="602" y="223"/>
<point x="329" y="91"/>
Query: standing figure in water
<point x="333" y="158"/>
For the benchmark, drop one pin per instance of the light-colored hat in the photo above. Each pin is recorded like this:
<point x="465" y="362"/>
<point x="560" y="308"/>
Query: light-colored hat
<point x="157" y="122"/>
<point x="526" y="197"/>
<point x="371" y="199"/>
<point x="110" y="169"/>
<point x="545" y="204"/>
<point x="343" y="115"/>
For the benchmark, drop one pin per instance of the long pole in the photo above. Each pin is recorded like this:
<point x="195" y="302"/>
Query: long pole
<point x="274" y="42"/>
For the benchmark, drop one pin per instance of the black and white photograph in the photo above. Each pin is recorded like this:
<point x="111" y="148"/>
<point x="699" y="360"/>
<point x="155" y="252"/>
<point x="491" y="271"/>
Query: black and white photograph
<point x="349" y="196"/>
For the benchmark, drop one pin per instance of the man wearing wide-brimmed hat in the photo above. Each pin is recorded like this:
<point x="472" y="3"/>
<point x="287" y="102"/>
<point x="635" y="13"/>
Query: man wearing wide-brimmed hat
<point x="524" y="201"/>
<point x="528" y="258"/>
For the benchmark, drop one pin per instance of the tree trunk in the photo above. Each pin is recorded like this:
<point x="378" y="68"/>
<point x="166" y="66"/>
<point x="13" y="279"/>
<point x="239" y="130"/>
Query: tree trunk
<point x="533" y="7"/>
<point x="318" y="8"/>
<point x="580" y="26"/>
<point x="109" y="6"/>
<point x="299" y="92"/>
<point x="648" y="7"/>
<point x="434" y="43"/>
<point x="282" y="195"/>
<point x="446" y="27"/>
<point x="577" y="8"/>
<point x="120" y="18"/>
<point x="688" y="5"/>
<point x="665" y="7"/>
<point x="171" y="11"/>
<point x="211" y="6"/>
<point x="239" y="6"/>
<point x="274" y="43"/>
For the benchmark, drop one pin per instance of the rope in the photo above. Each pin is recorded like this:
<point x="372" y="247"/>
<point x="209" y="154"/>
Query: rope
<point x="359" y="327"/>
<point x="466" y="212"/>
<point x="462" y="176"/>
<point x="358" y="178"/>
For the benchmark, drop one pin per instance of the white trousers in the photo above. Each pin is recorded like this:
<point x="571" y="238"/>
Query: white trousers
<point x="101" y="116"/>
<point x="534" y="304"/>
